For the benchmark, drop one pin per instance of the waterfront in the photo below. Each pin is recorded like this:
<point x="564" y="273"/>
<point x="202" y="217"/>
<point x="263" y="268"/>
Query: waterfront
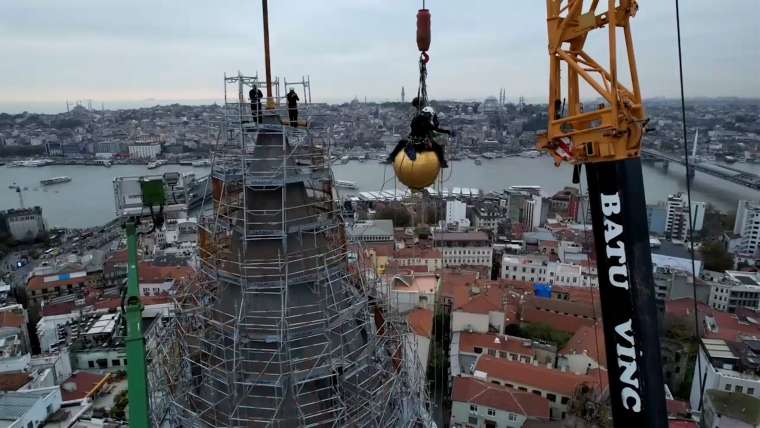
<point x="87" y="200"/>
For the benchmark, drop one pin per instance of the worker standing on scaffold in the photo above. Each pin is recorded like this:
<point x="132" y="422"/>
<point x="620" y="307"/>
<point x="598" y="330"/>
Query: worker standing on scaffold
<point x="255" y="95"/>
<point x="293" y="107"/>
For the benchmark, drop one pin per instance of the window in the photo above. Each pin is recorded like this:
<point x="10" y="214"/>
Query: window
<point x="115" y="362"/>
<point x="738" y="388"/>
<point x="551" y="397"/>
<point x="751" y="391"/>
<point x="512" y="417"/>
<point x="477" y="350"/>
<point x="537" y="392"/>
<point x="473" y="420"/>
<point x="728" y="387"/>
<point x="564" y="400"/>
<point x="491" y="412"/>
<point x="502" y="354"/>
<point x="473" y="408"/>
<point x="91" y="364"/>
<point x="492" y="352"/>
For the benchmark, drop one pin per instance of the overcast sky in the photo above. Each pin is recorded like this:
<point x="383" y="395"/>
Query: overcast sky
<point x="52" y="50"/>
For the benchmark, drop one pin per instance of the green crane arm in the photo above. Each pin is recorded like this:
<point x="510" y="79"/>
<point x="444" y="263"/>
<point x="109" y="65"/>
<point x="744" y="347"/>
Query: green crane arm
<point x="136" y="359"/>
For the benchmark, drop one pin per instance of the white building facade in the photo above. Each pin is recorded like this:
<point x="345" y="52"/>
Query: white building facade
<point x="144" y="151"/>
<point x="747" y="226"/>
<point x="464" y="248"/>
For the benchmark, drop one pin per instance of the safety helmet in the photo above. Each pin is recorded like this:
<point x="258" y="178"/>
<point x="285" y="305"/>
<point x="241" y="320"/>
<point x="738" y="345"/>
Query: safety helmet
<point x="429" y="110"/>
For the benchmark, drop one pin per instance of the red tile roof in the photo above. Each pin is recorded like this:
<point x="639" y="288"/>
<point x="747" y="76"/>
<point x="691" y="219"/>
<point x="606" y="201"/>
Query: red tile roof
<point x="729" y="327"/>
<point x="155" y="300"/>
<point x="418" y="253"/>
<point x="589" y="340"/>
<point x="489" y="300"/>
<point x="109" y="303"/>
<point x="470" y="390"/>
<point x="13" y="381"/>
<point x="586" y="295"/>
<point x="380" y="249"/>
<point x="682" y="423"/>
<point x="567" y="323"/>
<point x="394" y="268"/>
<point x="540" y="377"/>
<point x="468" y="341"/>
<point x="117" y="257"/>
<point x="38" y="282"/>
<point x="421" y="322"/>
<point x="58" y="309"/>
<point x="677" y="407"/>
<point x="455" y="285"/>
<point x="82" y="385"/>
<point x="151" y="273"/>
<point x="12" y="319"/>
<point x="565" y="306"/>
<point x="685" y="308"/>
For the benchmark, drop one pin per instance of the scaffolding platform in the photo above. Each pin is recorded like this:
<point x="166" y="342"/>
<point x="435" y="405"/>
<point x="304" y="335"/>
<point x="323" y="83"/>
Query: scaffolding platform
<point x="276" y="330"/>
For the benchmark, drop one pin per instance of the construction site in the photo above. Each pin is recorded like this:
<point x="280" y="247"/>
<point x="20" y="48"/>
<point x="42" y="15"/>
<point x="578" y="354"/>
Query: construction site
<point x="278" y="329"/>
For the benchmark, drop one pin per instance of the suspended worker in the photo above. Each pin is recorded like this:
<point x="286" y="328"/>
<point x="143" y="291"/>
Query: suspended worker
<point x="255" y="96"/>
<point x="293" y="99"/>
<point x="422" y="137"/>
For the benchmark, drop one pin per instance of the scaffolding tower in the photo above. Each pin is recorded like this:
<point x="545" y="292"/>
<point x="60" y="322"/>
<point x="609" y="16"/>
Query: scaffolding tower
<point x="278" y="329"/>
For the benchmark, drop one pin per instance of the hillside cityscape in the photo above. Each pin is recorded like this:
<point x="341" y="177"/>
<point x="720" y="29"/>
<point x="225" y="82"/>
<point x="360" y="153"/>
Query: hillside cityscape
<point x="494" y="294"/>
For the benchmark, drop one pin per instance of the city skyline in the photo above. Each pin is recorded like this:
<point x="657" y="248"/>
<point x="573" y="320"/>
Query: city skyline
<point x="120" y="55"/>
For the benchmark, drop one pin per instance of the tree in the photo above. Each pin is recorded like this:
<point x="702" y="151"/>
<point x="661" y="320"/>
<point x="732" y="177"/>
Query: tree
<point x="716" y="257"/>
<point x="540" y="331"/>
<point x="399" y="215"/>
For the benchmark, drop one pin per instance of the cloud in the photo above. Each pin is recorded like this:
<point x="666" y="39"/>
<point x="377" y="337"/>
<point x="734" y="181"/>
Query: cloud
<point x="108" y="51"/>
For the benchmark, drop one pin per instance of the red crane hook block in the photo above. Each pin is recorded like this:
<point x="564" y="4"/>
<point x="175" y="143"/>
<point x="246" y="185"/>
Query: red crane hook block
<point x="423" y="30"/>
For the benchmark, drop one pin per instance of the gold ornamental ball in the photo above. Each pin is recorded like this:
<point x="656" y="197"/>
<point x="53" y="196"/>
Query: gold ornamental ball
<point x="419" y="173"/>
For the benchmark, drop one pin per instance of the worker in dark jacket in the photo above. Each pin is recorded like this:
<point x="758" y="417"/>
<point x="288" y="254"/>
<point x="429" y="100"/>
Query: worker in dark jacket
<point x="293" y="99"/>
<point x="422" y="137"/>
<point x="255" y="96"/>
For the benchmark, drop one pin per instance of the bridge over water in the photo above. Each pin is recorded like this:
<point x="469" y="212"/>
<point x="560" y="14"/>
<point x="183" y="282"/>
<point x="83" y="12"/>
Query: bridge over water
<point x="724" y="172"/>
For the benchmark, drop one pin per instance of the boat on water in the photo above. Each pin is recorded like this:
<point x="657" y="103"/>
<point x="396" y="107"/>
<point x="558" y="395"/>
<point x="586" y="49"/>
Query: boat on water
<point x="201" y="163"/>
<point x="478" y="162"/>
<point x="530" y="154"/>
<point x="55" y="180"/>
<point x="344" y="159"/>
<point x="156" y="164"/>
<point x="30" y="163"/>
<point x="488" y="155"/>
<point x="346" y="184"/>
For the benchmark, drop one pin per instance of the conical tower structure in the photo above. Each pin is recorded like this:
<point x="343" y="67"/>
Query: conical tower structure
<point x="278" y="330"/>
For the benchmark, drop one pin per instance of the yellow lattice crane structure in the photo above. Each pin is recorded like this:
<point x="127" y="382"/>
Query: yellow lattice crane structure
<point x="609" y="131"/>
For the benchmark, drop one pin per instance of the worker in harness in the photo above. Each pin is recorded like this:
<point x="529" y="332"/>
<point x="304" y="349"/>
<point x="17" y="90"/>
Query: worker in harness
<point x="422" y="137"/>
